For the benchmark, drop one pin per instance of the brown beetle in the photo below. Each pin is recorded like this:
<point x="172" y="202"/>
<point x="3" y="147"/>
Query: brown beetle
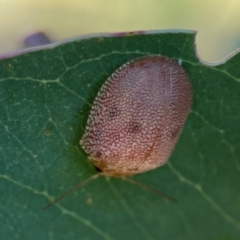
<point x="137" y="117"/>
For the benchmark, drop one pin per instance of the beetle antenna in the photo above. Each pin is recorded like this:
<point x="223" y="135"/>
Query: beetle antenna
<point x="143" y="185"/>
<point x="95" y="176"/>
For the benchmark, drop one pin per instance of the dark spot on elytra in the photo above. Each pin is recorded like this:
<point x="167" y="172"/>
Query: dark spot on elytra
<point x="134" y="127"/>
<point x="114" y="112"/>
<point x="175" y="133"/>
<point x="99" y="154"/>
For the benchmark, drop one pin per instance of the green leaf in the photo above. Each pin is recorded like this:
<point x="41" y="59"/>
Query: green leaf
<point x="45" y="98"/>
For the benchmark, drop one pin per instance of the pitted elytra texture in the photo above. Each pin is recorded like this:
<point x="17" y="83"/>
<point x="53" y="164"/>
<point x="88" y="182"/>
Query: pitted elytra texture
<point x="137" y="116"/>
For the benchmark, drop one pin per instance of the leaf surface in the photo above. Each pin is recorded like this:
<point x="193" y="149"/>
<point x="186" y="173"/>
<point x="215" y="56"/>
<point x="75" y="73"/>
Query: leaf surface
<point x="45" y="99"/>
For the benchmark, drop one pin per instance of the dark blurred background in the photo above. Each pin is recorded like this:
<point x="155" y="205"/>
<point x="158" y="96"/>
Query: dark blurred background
<point x="216" y="20"/>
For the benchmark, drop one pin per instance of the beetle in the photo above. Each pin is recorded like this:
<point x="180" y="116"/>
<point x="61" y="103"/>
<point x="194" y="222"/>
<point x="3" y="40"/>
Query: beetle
<point x="137" y="118"/>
